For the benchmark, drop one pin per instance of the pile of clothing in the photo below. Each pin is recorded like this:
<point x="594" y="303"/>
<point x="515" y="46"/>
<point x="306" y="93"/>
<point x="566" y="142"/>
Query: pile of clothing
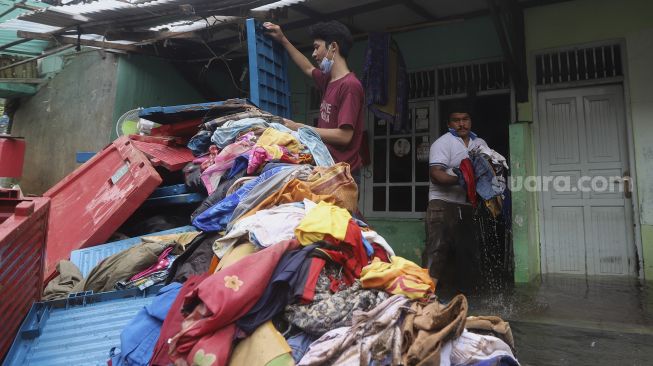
<point x="283" y="270"/>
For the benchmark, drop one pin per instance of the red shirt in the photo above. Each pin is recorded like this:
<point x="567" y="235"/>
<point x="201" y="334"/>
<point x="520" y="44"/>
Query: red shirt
<point x="342" y="105"/>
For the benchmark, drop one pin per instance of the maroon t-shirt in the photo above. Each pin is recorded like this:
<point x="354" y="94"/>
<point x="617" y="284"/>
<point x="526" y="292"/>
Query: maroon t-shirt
<point x="342" y="105"/>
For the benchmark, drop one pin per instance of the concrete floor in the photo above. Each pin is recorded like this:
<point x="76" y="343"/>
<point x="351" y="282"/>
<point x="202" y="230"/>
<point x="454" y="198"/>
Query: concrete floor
<point x="570" y="320"/>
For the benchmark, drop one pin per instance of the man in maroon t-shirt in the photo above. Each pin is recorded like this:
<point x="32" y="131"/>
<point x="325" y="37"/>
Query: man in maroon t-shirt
<point x="340" y="124"/>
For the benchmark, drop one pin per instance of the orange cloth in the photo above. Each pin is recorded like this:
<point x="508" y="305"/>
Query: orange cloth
<point x="399" y="277"/>
<point x="293" y="191"/>
<point x="336" y="181"/>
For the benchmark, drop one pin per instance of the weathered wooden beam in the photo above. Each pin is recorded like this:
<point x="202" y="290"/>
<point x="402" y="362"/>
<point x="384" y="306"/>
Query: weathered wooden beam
<point x="14" y="43"/>
<point x="23" y="80"/>
<point x="44" y="54"/>
<point x="74" y="41"/>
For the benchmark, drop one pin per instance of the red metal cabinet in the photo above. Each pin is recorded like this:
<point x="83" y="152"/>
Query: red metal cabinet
<point x="23" y="230"/>
<point x="93" y="201"/>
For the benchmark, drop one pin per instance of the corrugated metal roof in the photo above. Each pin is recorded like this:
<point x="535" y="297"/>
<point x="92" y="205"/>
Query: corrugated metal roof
<point x="191" y="25"/>
<point x="76" y="335"/>
<point x="278" y="4"/>
<point x="30" y="48"/>
<point x="121" y="11"/>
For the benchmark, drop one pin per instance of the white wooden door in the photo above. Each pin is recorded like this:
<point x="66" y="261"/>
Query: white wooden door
<point x="587" y="227"/>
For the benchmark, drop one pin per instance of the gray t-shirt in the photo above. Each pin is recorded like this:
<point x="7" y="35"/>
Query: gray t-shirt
<point x="448" y="151"/>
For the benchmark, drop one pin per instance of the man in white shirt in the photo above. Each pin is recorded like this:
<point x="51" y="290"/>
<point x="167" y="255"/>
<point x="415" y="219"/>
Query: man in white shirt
<point x="450" y="227"/>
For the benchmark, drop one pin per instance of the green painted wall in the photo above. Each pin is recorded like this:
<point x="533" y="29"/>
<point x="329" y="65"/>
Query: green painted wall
<point x="148" y="82"/>
<point x="524" y="204"/>
<point x="424" y="48"/>
<point x="406" y="237"/>
<point x="583" y="21"/>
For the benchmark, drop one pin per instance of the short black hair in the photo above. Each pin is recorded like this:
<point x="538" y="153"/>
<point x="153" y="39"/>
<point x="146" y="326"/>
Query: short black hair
<point x="460" y="106"/>
<point x="333" y="31"/>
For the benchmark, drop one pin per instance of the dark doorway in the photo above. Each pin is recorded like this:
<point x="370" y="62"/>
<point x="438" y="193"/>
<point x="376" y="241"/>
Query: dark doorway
<point x="490" y="119"/>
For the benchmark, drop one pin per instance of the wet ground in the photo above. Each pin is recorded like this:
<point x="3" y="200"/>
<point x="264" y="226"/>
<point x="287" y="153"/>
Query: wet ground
<point x="570" y="320"/>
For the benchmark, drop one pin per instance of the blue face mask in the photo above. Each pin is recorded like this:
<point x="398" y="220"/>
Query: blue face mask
<point x="326" y="64"/>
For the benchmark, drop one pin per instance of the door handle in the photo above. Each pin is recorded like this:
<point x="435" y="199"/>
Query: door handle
<point x="627" y="183"/>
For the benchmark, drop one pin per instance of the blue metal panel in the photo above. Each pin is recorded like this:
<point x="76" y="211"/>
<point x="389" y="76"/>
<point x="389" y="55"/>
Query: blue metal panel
<point x="179" y="199"/>
<point x="173" y="195"/>
<point x="84" y="156"/>
<point x="77" y="331"/>
<point x="86" y="259"/>
<point x="269" y="84"/>
<point x="172" y="190"/>
<point x="179" y="113"/>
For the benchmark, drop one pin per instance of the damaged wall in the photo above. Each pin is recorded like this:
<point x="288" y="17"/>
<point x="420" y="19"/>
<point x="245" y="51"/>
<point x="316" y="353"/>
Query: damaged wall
<point x="73" y="112"/>
<point x="77" y="110"/>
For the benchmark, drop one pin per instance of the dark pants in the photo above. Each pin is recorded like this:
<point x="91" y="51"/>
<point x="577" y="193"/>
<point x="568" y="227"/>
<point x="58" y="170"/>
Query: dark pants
<point x="452" y="249"/>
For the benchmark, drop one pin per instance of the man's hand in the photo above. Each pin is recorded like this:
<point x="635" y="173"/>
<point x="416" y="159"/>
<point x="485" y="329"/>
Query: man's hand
<point x="274" y="31"/>
<point x="440" y="176"/>
<point x="292" y="124"/>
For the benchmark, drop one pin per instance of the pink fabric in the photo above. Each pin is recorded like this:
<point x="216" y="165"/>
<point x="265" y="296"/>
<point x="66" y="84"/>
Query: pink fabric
<point x="223" y="162"/>
<point x="210" y="159"/>
<point x="261" y="155"/>
<point x="221" y="299"/>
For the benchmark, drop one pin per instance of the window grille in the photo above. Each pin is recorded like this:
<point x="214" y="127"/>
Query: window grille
<point x="578" y="64"/>
<point x="478" y="77"/>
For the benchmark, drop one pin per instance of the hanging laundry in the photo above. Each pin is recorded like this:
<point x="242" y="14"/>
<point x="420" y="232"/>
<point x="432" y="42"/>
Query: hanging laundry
<point x="221" y="299"/>
<point x="385" y="79"/>
<point x="399" y="277"/>
<point x="374" y="337"/>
